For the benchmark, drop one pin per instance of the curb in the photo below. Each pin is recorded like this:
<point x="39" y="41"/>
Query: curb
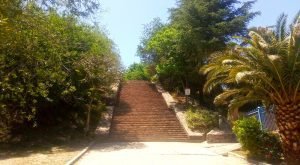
<point x="243" y="157"/>
<point x="77" y="157"/>
<point x="235" y="155"/>
<point x="171" y="103"/>
<point x="106" y="127"/>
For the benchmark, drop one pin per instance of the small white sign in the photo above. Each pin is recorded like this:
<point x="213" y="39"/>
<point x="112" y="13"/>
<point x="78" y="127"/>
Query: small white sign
<point x="187" y="91"/>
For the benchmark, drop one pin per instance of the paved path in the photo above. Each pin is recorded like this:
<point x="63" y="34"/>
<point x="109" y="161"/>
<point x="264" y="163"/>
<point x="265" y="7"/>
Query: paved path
<point x="160" y="153"/>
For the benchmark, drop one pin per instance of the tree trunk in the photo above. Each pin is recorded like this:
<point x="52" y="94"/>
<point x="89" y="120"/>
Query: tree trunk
<point x="288" y="122"/>
<point x="88" y="118"/>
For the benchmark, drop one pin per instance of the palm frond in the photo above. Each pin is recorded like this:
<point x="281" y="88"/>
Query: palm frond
<point x="240" y="101"/>
<point x="295" y="20"/>
<point x="211" y="83"/>
<point x="296" y="90"/>
<point x="280" y="29"/>
<point x="266" y="70"/>
<point x="237" y="102"/>
<point x="257" y="41"/>
<point x="222" y="99"/>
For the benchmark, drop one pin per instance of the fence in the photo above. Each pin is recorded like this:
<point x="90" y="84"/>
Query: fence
<point x="266" y="118"/>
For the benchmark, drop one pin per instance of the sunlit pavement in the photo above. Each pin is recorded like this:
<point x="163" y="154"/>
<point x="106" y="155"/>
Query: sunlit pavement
<point x="160" y="153"/>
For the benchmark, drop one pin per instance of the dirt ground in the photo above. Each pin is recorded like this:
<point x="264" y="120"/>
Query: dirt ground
<point x="41" y="154"/>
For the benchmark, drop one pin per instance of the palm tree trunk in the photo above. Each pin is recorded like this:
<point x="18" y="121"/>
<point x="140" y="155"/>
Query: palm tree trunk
<point x="288" y="122"/>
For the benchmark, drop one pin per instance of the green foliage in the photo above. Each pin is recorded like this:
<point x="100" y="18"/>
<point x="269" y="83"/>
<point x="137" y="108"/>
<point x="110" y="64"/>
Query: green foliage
<point x="260" y="144"/>
<point x="266" y="71"/>
<point x="201" y="119"/>
<point x="171" y="66"/>
<point x="196" y="29"/>
<point x="95" y="116"/>
<point x="271" y="147"/>
<point x="146" y="55"/>
<point x="209" y="25"/>
<point x="51" y="68"/>
<point x="247" y="131"/>
<point x="74" y="7"/>
<point x="137" y="72"/>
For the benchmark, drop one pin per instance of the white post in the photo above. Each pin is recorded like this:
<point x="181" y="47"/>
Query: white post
<point x="259" y="118"/>
<point x="187" y="92"/>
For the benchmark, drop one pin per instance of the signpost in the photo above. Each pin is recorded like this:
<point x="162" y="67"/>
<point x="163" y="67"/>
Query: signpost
<point x="187" y="92"/>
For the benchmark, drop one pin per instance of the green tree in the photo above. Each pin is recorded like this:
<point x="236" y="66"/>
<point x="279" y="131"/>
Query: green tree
<point x="171" y="65"/>
<point x="147" y="55"/>
<point x="209" y="24"/>
<point x="196" y="29"/>
<point x="74" y="7"/>
<point x="137" y="71"/>
<point x="53" y="69"/>
<point x="268" y="71"/>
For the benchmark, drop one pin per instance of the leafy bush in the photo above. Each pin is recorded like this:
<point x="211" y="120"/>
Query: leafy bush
<point x="260" y="144"/>
<point x="137" y="72"/>
<point x="201" y="119"/>
<point x="52" y="68"/>
<point x="247" y="131"/>
<point x="270" y="146"/>
<point x="95" y="116"/>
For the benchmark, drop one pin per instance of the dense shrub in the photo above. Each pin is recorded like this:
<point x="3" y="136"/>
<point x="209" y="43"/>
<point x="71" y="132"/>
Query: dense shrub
<point x="96" y="115"/>
<point x="270" y="146"/>
<point x="247" y="131"/>
<point x="52" y="69"/>
<point x="201" y="119"/>
<point x="137" y="71"/>
<point x="260" y="144"/>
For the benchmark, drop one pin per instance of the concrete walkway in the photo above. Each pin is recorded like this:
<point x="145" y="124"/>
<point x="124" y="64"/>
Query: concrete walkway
<point x="161" y="153"/>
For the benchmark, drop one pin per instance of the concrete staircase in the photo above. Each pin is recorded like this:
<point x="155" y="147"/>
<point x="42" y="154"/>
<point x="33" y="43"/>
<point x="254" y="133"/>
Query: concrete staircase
<point x="142" y="115"/>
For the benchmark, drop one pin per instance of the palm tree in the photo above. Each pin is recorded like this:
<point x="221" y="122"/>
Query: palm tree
<point x="267" y="70"/>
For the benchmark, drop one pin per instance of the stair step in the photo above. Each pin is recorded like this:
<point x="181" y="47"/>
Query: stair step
<point x="142" y="115"/>
<point x="145" y="118"/>
<point x="146" y="130"/>
<point x="146" y="136"/>
<point x="148" y="125"/>
<point x="141" y="121"/>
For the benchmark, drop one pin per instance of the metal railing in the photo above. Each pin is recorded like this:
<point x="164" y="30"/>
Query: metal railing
<point x="266" y="118"/>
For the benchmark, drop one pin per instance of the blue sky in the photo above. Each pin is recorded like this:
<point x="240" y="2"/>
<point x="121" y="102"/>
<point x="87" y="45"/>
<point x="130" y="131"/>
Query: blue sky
<point x="124" y="19"/>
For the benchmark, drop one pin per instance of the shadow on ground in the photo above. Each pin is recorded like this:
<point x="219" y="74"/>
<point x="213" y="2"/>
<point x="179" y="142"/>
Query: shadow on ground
<point x="110" y="147"/>
<point x="27" y="149"/>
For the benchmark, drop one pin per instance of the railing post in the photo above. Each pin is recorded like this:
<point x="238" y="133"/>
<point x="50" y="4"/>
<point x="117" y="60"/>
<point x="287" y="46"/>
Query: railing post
<point x="259" y="118"/>
<point x="220" y="121"/>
